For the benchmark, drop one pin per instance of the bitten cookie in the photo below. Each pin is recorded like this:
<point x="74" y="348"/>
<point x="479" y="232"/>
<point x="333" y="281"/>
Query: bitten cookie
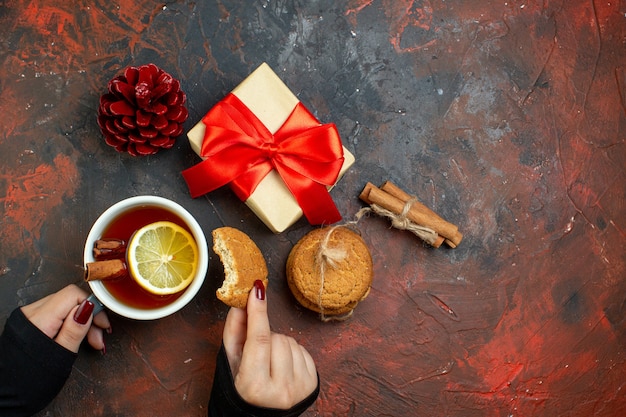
<point x="243" y="264"/>
<point x="347" y="272"/>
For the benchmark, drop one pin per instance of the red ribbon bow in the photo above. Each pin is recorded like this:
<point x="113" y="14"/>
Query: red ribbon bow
<point x="239" y="150"/>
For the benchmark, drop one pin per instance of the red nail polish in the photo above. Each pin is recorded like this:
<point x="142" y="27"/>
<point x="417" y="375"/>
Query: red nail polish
<point x="84" y="311"/>
<point x="259" y="290"/>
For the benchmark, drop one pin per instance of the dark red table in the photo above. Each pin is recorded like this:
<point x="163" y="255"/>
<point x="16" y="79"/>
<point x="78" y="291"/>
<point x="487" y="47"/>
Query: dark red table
<point x="506" y="118"/>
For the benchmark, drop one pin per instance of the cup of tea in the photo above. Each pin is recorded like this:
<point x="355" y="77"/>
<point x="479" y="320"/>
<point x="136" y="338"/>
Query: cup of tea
<point x="124" y="296"/>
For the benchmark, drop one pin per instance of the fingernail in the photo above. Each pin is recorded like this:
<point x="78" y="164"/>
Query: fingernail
<point x="84" y="312"/>
<point x="109" y="330"/>
<point x="104" y="349"/>
<point x="259" y="290"/>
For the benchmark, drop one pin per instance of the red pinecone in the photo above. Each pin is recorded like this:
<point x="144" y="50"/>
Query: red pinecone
<point x="143" y="111"/>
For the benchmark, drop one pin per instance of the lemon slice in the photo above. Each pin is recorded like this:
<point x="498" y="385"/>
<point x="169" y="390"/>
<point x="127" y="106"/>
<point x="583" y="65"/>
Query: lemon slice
<point x="162" y="257"/>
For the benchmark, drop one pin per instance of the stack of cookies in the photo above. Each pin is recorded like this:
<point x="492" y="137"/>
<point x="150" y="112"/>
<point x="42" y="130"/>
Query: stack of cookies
<point x="330" y="271"/>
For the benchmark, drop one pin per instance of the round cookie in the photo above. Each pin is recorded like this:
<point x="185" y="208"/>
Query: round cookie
<point x="243" y="264"/>
<point x="344" y="285"/>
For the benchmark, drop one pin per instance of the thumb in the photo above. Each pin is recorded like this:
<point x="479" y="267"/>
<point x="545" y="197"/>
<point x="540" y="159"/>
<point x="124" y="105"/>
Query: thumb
<point x="75" y="326"/>
<point x="234" y="337"/>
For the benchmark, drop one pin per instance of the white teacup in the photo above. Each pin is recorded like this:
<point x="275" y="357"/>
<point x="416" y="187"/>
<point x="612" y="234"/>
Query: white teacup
<point x="101" y="225"/>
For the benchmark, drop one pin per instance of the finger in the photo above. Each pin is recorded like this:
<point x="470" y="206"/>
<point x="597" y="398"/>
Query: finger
<point x="95" y="337"/>
<point x="309" y="362"/>
<point x="304" y="368"/>
<point x="289" y="368"/>
<point x="281" y="363"/>
<point x="302" y="359"/>
<point x="256" y="351"/>
<point x="235" y="336"/>
<point x="75" y="326"/>
<point x="102" y="321"/>
<point x="299" y="359"/>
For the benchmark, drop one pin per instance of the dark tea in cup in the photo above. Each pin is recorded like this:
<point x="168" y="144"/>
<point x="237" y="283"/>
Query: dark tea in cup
<point x="124" y="295"/>
<point x="126" y="289"/>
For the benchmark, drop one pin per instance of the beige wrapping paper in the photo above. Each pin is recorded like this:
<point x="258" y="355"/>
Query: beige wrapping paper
<point x="264" y="93"/>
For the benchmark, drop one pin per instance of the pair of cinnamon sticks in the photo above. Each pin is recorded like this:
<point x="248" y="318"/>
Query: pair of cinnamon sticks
<point x="396" y="201"/>
<point x="110" y="260"/>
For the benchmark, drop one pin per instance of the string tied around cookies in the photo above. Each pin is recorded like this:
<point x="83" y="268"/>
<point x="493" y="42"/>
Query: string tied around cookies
<point x="334" y="256"/>
<point x="329" y="257"/>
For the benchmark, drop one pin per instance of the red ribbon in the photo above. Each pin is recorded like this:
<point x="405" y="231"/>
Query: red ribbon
<point x="239" y="150"/>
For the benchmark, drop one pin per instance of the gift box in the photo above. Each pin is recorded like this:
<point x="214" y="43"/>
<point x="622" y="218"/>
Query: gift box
<point x="273" y="153"/>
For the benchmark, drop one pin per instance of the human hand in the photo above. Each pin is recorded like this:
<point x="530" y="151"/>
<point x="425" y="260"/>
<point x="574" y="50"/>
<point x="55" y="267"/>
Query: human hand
<point x="65" y="317"/>
<point x="270" y="369"/>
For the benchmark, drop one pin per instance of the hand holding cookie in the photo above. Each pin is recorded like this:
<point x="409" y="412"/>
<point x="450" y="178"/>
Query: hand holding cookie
<point x="269" y="369"/>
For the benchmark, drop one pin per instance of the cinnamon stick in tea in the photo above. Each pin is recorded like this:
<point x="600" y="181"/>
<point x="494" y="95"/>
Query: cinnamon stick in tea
<point x="105" y="270"/>
<point x="109" y="248"/>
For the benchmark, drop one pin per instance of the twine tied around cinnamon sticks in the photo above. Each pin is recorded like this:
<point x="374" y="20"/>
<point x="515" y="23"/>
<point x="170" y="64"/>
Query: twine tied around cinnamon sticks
<point x="407" y="213"/>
